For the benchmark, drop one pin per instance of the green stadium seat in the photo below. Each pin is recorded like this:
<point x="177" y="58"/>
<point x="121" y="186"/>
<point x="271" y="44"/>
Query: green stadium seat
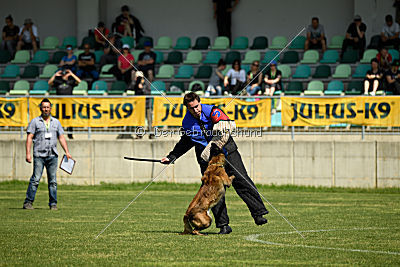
<point x="310" y="57"/>
<point x="290" y="57"/>
<point x="142" y="41"/>
<point x="336" y="42"/>
<point x="78" y="52"/>
<point x="88" y="40"/>
<point x="30" y="72"/>
<point x="350" y="56"/>
<point x="48" y="71"/>
<point x="330" y="57"/>
<point x="260" y="43"/>
<point x="368" y="55"/>
<point x="193" y="57"/>
<point x="342" y="71"/>
<point x="184" y="72"/>
<point x="314" y="88"/>
<point x="361" y="71"/>
<point x="165" y="72"/>
<point x="164" y="43"/>
<point x="98" y="54"/>
<point x="5" y="56"/>
<point x="159" y="57"/>
<point x="212" y="57"/>
<point x="302" y="72"/>
<point x="4" y="87"/>
<point x="11" y="71"/>
<point x="246" y="67"/>
<point x="176" y="88"/>
<point x="278" y="42"/>
<point x="158" y="87"/>
<point x="117" y="88"/>
<point x="40" y="57"/>
<point x="286" y="71"/>
<point x="251" y="56"/>
<point x="129" y="41"/>
<point x="322" y="72"/>
<point x="221" y="43"/>
<point x="80" y="89"/>
<point x="174" y="57"/>
<point x="50" y="42"/>
<point x="298" y="43"/>
<point x="98" y="88"/>
<point x="21" y="57"/>
<point x="394" y="53"/>
<point x="355" y="88"/>
<point x="57" y="57"/>
<point x="183" y="43"/>
<point x="39" y="88"/>
<point x="240" y="43"/>
<point x="196" y="82"/>
<point x="204" y="72"/>
<point x="202" y="43"/>
<point x="269" y="56"/>
<point x="135" y="53"/>
<point x="104" y="71"/>
<point x="334" y="88"/>
<point x="232" y="56"/>
<point x="21" y="87"/>
<point x="69" y="40"/>
<point x="294" y="88"/>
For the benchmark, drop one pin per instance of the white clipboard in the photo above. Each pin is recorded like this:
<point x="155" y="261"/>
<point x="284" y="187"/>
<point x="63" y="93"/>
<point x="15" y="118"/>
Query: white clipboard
<point x="67" y="165"/>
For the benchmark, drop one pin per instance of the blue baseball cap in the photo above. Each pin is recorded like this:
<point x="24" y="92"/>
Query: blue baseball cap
<point x="273" y="62"/>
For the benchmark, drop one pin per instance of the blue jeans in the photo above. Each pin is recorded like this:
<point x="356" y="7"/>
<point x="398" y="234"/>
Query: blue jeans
<point x="254" y="90"/>
<point x="93" y="73"/>
<point x="51" y="166"/>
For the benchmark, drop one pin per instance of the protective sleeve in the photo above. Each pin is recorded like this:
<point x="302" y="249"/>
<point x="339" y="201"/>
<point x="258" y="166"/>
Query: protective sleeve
<point x="183" y="146"/>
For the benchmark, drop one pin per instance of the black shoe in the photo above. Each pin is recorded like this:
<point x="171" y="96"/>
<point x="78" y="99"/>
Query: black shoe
<point x="224" y="230"/>
<point x="260" y="220"/>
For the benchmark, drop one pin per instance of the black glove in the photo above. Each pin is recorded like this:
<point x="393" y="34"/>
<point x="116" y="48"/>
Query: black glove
<point x="214" y="151"/>
<point x="171" y="158"/>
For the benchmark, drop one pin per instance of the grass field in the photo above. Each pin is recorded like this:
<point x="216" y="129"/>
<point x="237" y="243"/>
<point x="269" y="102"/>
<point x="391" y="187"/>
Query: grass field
<point x="364" y="225"/>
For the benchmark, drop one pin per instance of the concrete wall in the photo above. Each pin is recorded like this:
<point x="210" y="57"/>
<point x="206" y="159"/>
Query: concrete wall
<point x="319" y="163"/>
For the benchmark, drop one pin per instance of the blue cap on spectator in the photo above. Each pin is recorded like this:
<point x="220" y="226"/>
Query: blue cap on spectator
<point x="147" y="43"/>
<point x="273" y="62"/>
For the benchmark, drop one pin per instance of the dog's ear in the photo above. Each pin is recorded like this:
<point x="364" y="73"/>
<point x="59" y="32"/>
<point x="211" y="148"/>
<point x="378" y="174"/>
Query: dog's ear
<point x="214" y="151"/>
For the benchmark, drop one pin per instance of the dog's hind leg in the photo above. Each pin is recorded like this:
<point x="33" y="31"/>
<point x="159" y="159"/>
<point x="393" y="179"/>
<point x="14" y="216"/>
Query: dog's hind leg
<point x="188" y="228"/>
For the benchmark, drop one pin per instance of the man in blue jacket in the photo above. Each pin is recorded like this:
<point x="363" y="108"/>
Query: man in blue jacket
<point x="203" y="126"/>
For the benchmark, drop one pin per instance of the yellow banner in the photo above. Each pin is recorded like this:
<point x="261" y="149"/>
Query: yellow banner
<point x="245" y="114"/>
<point x="13" y="112"/>
<point x="94" y="112"/>
<point x="374" y="111"/>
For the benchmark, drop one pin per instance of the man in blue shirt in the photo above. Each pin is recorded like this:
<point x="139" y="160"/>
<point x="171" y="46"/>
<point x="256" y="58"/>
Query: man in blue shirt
<point x="44" y="131"/>
<point x="203" y="126"/>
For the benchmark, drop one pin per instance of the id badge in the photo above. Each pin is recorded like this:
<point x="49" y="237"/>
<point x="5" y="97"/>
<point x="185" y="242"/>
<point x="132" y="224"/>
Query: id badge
<point x="47" y="135"/>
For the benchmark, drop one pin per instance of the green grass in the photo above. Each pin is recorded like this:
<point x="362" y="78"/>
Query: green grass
<point x="147" y="232"/>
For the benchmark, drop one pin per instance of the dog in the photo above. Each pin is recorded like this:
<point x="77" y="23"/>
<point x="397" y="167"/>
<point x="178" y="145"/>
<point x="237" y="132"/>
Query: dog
<point x="210" y="193"/>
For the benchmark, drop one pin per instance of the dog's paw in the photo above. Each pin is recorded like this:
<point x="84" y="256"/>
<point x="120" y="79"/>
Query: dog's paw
<point x="185" y="233"/>
<point x="195" y="232"/>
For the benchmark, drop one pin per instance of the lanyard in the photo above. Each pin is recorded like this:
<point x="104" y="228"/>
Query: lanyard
<point x="47" y="125"/>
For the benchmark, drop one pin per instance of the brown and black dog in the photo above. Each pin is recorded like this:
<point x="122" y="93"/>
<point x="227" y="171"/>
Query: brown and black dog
<point x="210" y="193"/>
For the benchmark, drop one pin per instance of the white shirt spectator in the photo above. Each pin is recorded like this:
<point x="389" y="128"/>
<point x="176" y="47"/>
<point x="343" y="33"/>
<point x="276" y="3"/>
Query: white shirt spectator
<point x="27" y="36"/>
<point x="236" y="75"/>
<point x="392" y="30"/>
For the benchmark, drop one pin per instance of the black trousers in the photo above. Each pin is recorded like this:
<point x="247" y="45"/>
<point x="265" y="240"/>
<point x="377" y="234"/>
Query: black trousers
<point x="394" y="42"/>
<point x="243" y="186"/>
<point x="224" y="25"/>
<point x="360" y="46"/>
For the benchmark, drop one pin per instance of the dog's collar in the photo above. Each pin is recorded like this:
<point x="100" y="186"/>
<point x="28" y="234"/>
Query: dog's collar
<point x="218" y="164"/>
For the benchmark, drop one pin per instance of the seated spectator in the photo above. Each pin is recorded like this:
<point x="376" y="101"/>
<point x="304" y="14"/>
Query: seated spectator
<point x="384" y="59"/>
<point x="86" y="65"/>
<point x="10" y="36"/>
<point x="393" y="78"/>
<point x="235" y="78"/>
<point x="128" y="25"/>
<point x="390" y="33"/>
<point x="273" y="79"/>
<point x="315" y="36"/>
<point x="253" y="82"/>
<point x="68" y="61"/>
<point x="373" y="78"/>
<point x="28" y="37"/>
<point x="355" y="36"/>
<point x="124" y="70"/>
<point x="111" y="52"/>
<point x="214" y="87"/>
<point x="146" y="61"/>
<point x="98" y="36"/>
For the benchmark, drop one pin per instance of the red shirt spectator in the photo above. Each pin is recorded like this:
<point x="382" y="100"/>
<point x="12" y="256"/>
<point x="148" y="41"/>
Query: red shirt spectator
<point x="125" y="64"/>
<point x="384" y="59"/>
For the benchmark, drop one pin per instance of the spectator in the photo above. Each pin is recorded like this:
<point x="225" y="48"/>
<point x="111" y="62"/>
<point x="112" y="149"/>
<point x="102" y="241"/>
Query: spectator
<point x="393" y="78"/>
<point x="68" y="61"/>
<point x="223" y="14"/>
<point x="214" y="87"/>
<point x="28" y="37"/>
<point x="390" y="33"/>
<point x="315" y="36"/>
<point x="146" y="61"/>
<point x="384" y="59"/>
<point x="253" y="82"/>
<point x="10" y="36"/>
<point x="128" y="25"/>
<point x="123" y="71"/>
<point x="98" y="36"/>
<point x="141" y="87"/>
<point x="355" y="36"/>
<point x="373" y="78"/>
<point x="86" y="65"/>
<point x="110" y="55"/>
<point x="273" y="79"/>
<point x="235" y="78"/>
